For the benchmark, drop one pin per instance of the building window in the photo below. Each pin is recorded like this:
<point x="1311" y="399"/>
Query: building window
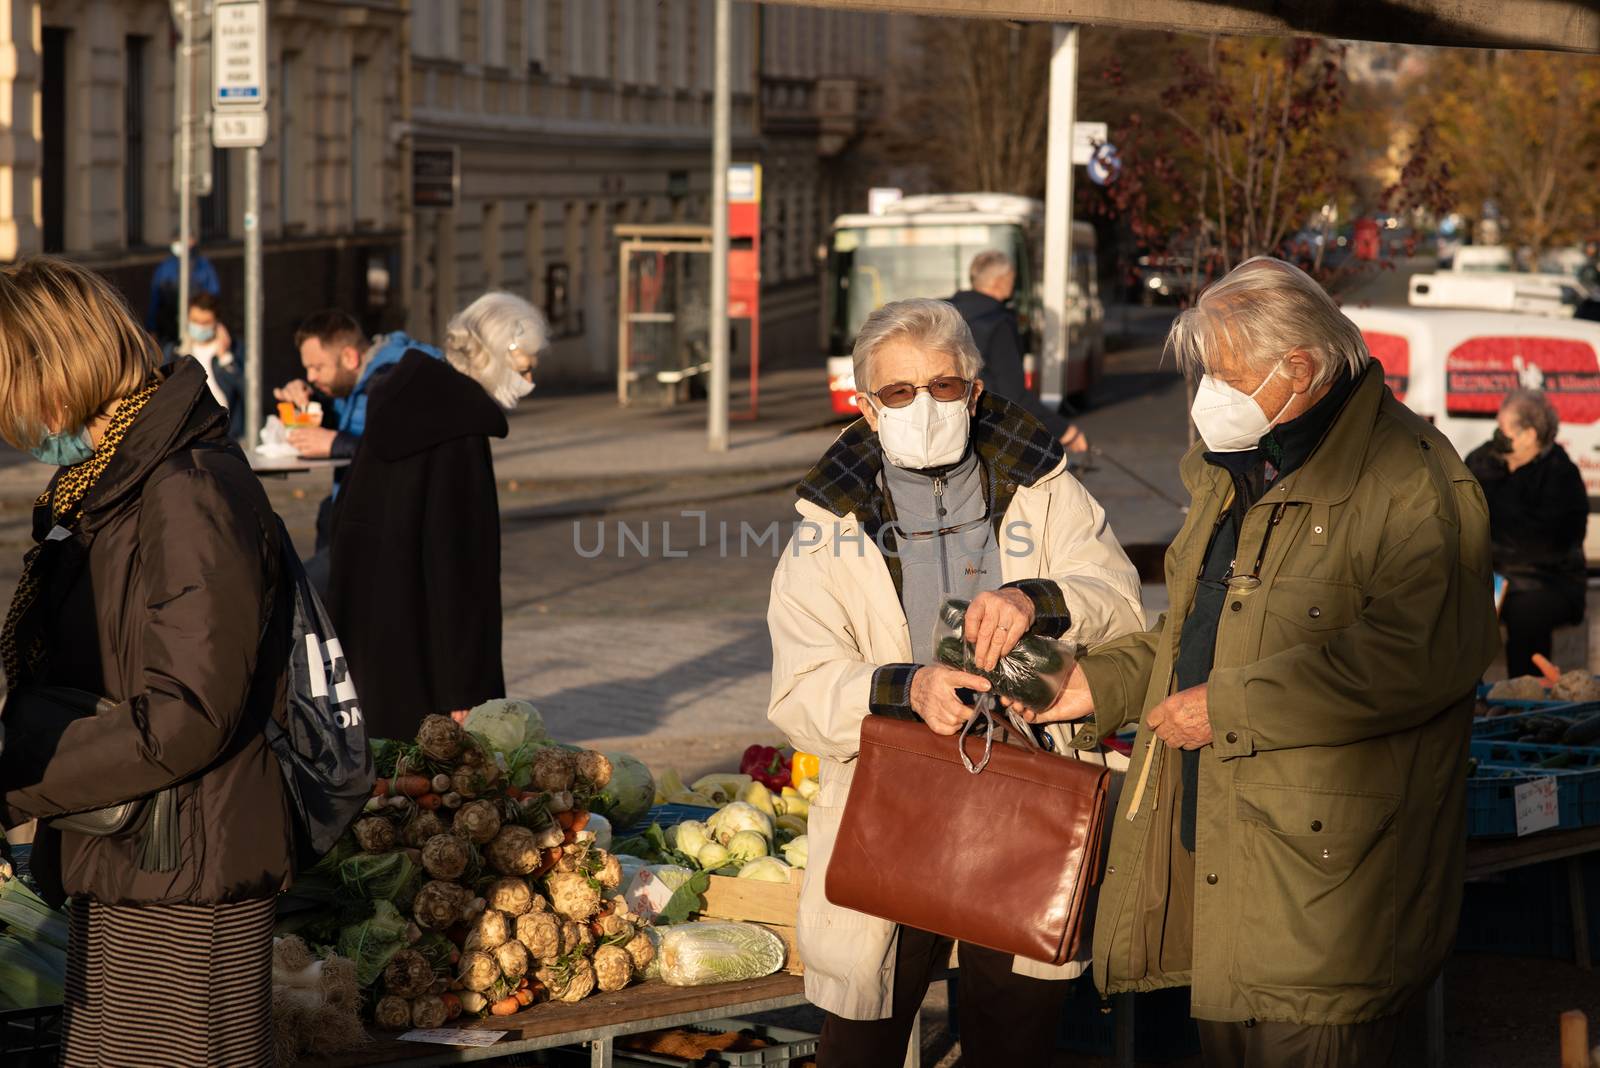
<point x="535" y="27"/>
<point x="587" y="43"/>
<point x="134" y="95"/>
<point x="678" y="44"/>
<point x="213" y="207"/>
<point x="533" y="251"/>
<point x="358" y="142"/>
<point x="492" y="32"/>
<point x="436" y="29"/>
<point x="53" y="157"/>
<point x="290" y="182"/>
<point x="490" y="247"/>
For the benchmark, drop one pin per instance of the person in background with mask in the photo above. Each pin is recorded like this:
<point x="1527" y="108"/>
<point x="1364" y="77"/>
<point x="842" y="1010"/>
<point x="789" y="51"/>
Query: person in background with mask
<point x="212" y="345"/>
<point x="414" y="589"/>
<point x="940" y="490"/>
<point x="1292" y="840"/>
<point x="1538" y="515"/>
<point x="161" y="315"/>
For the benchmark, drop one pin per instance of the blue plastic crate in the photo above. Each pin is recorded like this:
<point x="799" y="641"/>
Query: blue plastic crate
<point x="1509" y="726"/>
<point x="1503" y="766"/>
<point x="672" y="815"/>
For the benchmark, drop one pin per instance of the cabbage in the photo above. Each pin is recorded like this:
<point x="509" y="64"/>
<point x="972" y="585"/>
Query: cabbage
<point x="691" y="837"/>
<point x="373" y="941"/>
<point x="629" y="794"/>
<point x="507" y="724"/>
<point x="747" y="845"/>
<point x="700" y="954"/>
<point x="739" y="816"/>
<point x="795" y="852"/>
<point x="713" y="855"/>
<point x="766" y="870"/>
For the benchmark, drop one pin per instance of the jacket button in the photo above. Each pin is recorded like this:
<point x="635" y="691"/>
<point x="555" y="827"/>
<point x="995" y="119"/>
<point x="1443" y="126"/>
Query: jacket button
<point x="1316" y="530"/>
<point x="1314" y="612"/>
<point x="1111" y="869"/>
<point x="1236" y="606"/>
<point x="1316" y="825"/>
<point x="1232" y="737"/>
<point x="1212" y="879"/>
<point x="1425" y="446"/>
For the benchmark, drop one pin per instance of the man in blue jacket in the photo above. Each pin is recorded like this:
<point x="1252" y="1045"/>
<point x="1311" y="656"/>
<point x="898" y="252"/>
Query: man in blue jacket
<point x="341" y="364"/>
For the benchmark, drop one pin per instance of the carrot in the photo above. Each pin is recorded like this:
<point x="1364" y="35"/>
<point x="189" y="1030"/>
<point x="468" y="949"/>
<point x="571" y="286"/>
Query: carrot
<point x="429" y="801"/>
<point x="524" y="998"/>
<point x="1551" y="673"/>
<point x="452" y="1005"/>
<point x="580" y="820"/>
<point x="506" y="1006"/>
<point x="551" y="857"/>
<point x="524" y="984"/>
<point x="515" y="793"/>
<point x="380" y="788"/>
<point x="565" y="819"/>
<point x="411" y="785"/>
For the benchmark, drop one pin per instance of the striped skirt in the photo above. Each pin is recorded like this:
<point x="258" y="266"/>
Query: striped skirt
<point x="185" y="986"/>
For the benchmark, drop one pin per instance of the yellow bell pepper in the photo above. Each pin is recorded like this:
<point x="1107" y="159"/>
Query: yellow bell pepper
<point x="804" y="766"/>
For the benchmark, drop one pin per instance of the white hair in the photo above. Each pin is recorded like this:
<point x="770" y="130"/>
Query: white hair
<point x="482" y="336"/>
<point x="1261" y="311"/>
<point x="926" y="323"/>
<point x="989" y="266"/>
<point x="1533" y="411"/>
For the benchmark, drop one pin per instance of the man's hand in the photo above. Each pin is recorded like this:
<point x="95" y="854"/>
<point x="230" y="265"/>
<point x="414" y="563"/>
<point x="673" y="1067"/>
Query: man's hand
<point x="996" y="621"/>
<point x="933" y="697"/>
<point x="1073" y="703"/>
<point x="225" y="341"/>
<point x="1183" y="720"/>
<point x="296" y="393"/>
<point x="1075" y="440"/>
<point x="313" y="442"/>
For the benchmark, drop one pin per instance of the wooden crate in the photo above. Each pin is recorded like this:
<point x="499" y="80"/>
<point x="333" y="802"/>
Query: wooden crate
<point x="775" y="906"/>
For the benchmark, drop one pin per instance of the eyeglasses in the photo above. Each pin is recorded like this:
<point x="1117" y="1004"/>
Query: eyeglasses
<point x="943" y="388"/>
<point x="943" y="532"/>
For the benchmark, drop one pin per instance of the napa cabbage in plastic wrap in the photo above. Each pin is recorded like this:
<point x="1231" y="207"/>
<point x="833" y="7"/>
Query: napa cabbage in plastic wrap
<point x="507" y="724"/>
<point x="701" y="954"/>
<point x="629" y="794"/>
<point x="1033" y="672"/>
<point x="373" y="941"/>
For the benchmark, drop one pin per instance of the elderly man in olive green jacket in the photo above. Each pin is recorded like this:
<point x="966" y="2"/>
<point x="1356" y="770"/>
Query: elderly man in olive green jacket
<point x="1292" y="837"/>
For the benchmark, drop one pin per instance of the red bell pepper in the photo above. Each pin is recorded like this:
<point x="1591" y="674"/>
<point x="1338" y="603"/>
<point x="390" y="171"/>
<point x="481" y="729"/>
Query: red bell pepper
<point x="766" y="764"/>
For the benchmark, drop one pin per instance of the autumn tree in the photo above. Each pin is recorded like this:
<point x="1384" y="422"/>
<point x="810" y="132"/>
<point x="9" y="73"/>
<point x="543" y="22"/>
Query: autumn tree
<point x="1517" y="130"/>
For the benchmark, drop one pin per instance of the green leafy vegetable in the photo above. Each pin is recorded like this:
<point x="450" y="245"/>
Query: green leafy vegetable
<point x="685" y="900"/>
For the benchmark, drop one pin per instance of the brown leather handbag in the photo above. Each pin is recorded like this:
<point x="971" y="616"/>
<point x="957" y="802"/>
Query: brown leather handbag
<point x="997" y="845"/>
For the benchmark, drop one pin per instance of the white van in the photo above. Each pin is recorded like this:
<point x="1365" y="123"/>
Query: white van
<point x="1553" y="295"/>
<point x="1474" y="258"/>
<point x="1456" y="367"/>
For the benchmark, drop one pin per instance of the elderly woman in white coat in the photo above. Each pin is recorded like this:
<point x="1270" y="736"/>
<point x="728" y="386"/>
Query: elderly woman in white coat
<point x="939" y="490"/>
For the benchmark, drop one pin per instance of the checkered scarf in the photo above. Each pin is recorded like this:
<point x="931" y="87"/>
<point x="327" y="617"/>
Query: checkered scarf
<point x="1014" y="449"/>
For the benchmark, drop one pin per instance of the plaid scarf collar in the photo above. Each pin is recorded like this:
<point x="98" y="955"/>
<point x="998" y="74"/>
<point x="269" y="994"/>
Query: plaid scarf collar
<point x="1013" y="448"/>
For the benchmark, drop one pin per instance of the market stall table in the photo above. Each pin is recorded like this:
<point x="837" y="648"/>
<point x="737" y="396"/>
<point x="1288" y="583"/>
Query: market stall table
<point x="597" y="1020"/>
<point x="282" y="467"/>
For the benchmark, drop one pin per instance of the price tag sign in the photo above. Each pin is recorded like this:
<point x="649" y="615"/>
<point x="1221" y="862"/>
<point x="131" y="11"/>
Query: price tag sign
<point x="451" y="1036"/>
<point x="1537" y="806"/>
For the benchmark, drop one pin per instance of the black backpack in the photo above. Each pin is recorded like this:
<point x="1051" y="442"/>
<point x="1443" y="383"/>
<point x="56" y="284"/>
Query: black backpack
<point x="322" y="743"/>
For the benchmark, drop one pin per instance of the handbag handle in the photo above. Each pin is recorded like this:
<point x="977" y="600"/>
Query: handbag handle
<point x="983" y="708"/>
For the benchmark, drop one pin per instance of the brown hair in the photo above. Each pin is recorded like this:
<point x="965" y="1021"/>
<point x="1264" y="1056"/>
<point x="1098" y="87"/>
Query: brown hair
<point x="334" y="329"/>
<point x="207" y="302"/>
<point x="69" y="348"/>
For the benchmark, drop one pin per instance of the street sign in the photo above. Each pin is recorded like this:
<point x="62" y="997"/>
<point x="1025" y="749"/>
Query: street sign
<point x="1105" y="164"/>
<point x="239" y="54"/>
<point x="239" y="128"/>
<point x="435" y="176"/>
<point x="1085" y="136"/>
<point x="744" y="183"/>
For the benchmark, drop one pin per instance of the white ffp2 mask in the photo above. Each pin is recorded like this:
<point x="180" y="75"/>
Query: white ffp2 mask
<point x="511" y="388"/>
<point x="1229" y="419"/>
<point x="925" y="433"/>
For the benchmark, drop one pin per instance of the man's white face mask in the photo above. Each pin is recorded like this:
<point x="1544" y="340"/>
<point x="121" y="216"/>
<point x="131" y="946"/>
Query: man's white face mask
<point x="925" y="433"/>
<point x="1229" y="419"/>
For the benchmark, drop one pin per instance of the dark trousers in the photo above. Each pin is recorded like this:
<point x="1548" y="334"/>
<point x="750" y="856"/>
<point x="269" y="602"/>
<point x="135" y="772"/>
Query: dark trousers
<point x="1270" y="1044"/>
<point x="1531" y="617"/>
<point x="1006" y="1019"/>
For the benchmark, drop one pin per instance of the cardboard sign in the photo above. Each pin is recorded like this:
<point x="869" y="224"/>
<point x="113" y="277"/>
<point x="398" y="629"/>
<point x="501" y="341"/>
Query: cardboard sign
<point x="451" y="1036"/>
<point x="1537" y="806"/>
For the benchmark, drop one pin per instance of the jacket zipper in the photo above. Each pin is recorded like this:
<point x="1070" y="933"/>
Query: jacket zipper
<point x="938" y="522"/>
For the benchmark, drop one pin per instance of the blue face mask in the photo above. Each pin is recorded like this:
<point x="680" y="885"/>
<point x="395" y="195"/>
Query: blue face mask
<point x="64" y="449"/>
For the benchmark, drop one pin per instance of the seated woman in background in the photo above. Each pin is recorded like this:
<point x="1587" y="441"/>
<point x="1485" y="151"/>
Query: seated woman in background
<point x="1538" y="512"/>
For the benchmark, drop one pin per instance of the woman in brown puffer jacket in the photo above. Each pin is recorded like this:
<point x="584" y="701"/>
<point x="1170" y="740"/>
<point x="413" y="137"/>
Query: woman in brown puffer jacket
<point x="153" y="598"/>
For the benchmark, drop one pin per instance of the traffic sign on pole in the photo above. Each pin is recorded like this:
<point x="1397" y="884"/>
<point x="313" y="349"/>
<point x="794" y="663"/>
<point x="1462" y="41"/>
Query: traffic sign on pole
<point x="1085" y="136"/>
<point x="239" y="129"/>
<point x="239" y="54"/>
<point x="1105" y="164"/>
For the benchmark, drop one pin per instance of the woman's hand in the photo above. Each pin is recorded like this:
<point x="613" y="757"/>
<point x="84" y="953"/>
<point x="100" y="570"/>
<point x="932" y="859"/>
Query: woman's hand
<point x="1075" y="702"/>
<point x="933" y="697"/>
<point x="996" y="621"/>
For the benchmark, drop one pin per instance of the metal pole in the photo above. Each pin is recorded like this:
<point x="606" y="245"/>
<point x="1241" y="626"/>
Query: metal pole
<point x="252" y="296"/>
<point x="1058" y="214"/>
<point x="185" y="162"/>
<point x="717" y="412"/>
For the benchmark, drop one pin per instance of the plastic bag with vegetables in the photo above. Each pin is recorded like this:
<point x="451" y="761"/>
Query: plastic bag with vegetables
<point x="1033" y="673"/>
<point x="700" y="954"/>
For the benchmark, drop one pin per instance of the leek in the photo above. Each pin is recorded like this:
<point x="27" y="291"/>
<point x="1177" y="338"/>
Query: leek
<point x="23" y="911"/>
<point x="30" y="976"/>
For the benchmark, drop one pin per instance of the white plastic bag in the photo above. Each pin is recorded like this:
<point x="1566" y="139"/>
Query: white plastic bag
<point x="702" y="954"/>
